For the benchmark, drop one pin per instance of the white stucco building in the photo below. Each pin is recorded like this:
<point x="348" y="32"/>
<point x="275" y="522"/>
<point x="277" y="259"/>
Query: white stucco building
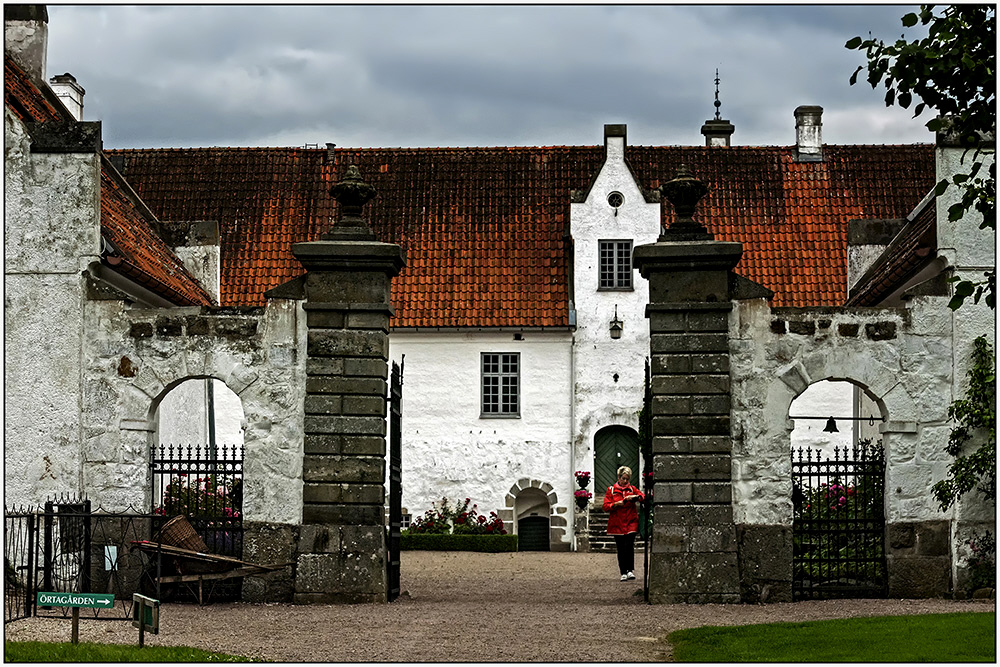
<point x="520" y="318"/>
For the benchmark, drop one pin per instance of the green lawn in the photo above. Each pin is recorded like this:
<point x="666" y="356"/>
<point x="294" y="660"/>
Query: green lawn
<point x="87" y="652"/>
<point x="964" y="637"/>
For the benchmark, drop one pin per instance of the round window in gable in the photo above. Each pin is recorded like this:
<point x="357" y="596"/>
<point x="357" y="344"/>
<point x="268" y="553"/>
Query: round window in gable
<point x="616" y="200"/>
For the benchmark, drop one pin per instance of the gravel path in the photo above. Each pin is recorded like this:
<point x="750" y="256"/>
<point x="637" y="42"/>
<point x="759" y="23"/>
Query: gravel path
<point x="460" y="607"/>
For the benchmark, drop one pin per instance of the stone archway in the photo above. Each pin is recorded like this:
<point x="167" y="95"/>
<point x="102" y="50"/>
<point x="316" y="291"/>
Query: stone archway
<point x="535" y="498"/>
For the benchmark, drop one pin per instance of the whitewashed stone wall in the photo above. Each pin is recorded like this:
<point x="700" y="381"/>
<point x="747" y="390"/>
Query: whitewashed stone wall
<point x="136" y="356"/>
<point x="600" y="399"/>
<point x="51" y="209"/>
<point x="450" y="451"/>
<point x="908" y="376"/>
<point x="970" y="251"/>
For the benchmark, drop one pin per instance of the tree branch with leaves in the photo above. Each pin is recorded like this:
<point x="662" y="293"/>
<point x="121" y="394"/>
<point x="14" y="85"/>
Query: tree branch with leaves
<point x="952" y="71"/>
<point x="976" y="419"/>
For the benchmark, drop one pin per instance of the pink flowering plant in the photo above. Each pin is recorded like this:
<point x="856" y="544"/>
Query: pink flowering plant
<point x="459" y="519"/>
<point x="981" y="561"/>
<point x="205" y="496"/>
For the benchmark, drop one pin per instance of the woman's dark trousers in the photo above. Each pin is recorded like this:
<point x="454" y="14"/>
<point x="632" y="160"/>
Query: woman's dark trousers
<point x="625" y="545"/>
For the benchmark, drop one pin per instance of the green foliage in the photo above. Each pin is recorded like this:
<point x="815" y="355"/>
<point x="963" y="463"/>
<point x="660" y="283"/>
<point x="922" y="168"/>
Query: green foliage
<point x="460" y="520"/>
<point x="975" y="418"/>
<point x="952" y="71"/>
<point x="409" y="541"/>
<point x="91" y="652"/>
<point x="964" y="637"/>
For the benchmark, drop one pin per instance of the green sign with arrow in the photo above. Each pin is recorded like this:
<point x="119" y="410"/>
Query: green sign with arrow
<point x="87" y="600"/>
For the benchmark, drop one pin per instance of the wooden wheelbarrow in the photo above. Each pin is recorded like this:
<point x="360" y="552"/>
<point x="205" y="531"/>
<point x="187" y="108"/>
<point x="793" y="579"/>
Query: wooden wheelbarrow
<point x="195" y="567"/>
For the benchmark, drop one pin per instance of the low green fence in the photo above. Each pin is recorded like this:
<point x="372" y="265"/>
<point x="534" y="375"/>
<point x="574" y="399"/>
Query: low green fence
<point x="447" y="542"/>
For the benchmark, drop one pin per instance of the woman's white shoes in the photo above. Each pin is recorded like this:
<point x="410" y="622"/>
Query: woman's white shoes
<point x="630" y="575"/>
<point x="625" y="577"/>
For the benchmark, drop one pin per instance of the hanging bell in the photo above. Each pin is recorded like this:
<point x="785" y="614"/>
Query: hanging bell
<point x="831" y="426"/>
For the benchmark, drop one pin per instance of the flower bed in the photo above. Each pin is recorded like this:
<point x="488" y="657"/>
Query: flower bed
<point x="447" y="542"/>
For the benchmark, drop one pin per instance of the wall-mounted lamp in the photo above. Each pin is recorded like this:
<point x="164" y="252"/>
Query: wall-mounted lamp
<point x="616" y="326"/>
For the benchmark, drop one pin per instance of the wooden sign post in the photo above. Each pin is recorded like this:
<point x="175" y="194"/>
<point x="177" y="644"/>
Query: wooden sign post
<point x="145" y="616"/>
<point x="75" y="600"/>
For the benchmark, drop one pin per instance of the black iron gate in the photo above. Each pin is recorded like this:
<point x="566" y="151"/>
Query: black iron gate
<point x="839" y="523"/>
<point x="205" y="485"/>
<point x="69" y="547"/>
<point x="395" y="480"/>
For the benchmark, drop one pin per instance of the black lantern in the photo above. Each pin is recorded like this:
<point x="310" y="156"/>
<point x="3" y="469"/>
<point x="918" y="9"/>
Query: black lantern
<point x="616" y="326"/>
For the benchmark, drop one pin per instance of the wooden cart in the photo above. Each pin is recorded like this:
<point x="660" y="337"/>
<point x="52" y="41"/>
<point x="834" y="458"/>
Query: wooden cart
<point x="196" y="567"/>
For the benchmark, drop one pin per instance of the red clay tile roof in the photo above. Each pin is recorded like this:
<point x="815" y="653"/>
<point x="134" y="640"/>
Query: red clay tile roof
<point x="141" y="254"/>
<point x="485" y="229"/>
<point x="912" y="249"/>
<point x="24" y="98"/>
<point x="145" y="258"/>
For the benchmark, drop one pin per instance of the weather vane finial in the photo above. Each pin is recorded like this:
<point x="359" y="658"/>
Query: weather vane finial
<point x="718" y="116"/>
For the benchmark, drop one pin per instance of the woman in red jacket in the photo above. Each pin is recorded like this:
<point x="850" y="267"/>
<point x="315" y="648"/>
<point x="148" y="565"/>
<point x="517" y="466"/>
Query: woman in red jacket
<point x="623" y="523"/>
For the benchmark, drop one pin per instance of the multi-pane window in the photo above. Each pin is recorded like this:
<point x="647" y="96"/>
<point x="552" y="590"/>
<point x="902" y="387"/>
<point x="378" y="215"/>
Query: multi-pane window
<point x="501" y="384"/>
<point x="616" y="264"/>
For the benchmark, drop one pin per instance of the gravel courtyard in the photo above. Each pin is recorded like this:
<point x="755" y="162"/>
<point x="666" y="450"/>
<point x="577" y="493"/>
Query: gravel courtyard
<point x="461" y="607"/>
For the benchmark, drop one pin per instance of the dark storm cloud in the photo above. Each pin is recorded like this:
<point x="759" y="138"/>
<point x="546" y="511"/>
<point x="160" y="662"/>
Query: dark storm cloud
<point x="461" y="75"/>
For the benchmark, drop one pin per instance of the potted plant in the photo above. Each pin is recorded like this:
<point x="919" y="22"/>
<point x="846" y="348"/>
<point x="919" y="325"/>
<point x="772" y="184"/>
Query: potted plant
<point x="583" y="497"/>
<point x="582" y="478"/>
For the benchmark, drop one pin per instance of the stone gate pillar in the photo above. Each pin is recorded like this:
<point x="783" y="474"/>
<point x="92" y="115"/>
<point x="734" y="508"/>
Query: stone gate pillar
<point x="693" y="554"/>
<point x="342" y="550"/>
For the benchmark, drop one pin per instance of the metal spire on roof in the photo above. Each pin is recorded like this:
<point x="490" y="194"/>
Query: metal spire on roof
<point x="718" y="116"/>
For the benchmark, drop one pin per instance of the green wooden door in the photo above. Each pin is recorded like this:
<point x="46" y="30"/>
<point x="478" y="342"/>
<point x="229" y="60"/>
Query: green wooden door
<point x="614" y="446"/>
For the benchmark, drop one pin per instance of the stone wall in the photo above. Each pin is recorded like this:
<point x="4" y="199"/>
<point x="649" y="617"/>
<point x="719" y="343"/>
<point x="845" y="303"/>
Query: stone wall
<point x="901" y="358"/>
<point x="51" y="223"/>
<point x="136" y="356"/>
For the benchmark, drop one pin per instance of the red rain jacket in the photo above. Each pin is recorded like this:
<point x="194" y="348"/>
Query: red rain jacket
<point x="623" y="519"/>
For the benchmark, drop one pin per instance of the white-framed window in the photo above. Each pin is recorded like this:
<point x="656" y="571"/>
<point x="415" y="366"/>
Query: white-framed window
<point x="501" y="384"/>
<point x="615" y="265"/>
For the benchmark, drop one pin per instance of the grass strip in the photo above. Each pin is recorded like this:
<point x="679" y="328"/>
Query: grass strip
<point x="90" y="652"/>
<point x="958" y="637"/>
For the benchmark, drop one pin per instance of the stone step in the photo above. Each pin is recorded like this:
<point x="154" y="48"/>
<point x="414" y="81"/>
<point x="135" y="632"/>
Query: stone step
<point x="599" y="539"/>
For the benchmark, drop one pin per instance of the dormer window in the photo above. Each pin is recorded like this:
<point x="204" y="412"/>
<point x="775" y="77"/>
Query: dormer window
<point x="615" y="265"/>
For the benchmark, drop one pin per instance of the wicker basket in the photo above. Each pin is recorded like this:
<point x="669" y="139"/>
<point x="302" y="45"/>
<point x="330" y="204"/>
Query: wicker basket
<point x="179" y="532"/>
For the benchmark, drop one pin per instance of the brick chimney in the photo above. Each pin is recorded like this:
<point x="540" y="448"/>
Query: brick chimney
<point x="69" y="92"/>
<point x="809" y="134"/>
<point x="25" y="36"/>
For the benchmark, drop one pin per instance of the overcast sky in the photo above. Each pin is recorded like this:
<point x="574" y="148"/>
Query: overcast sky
<point x="385" y="76"/>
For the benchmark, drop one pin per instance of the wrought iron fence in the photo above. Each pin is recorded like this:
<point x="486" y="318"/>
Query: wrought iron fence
<point x="68" y="546"/>
<point x="205" y="484"/>
<point x="839" y="523"/>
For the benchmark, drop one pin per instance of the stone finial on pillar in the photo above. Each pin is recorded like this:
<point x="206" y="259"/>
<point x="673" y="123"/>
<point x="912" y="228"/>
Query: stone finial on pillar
<point x="352" y="194"/>
<point x="341" y="553"/>
<point x="684" y="192"/>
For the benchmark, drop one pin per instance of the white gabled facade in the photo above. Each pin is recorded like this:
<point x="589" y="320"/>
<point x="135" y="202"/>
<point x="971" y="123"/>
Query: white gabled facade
<point x="573" y="382"/>
<point x="609" y="372"/>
